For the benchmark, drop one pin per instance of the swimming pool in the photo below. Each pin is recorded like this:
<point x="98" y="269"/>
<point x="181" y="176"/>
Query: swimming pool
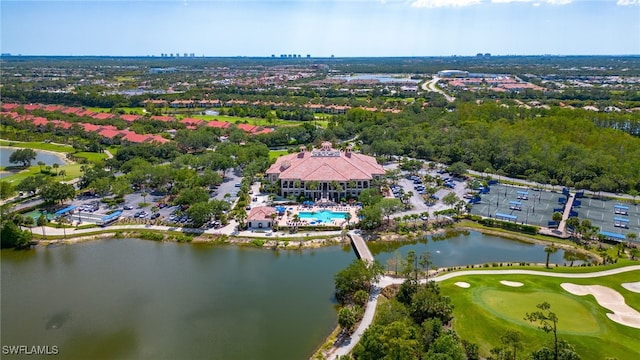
<point x="322" y="216"/>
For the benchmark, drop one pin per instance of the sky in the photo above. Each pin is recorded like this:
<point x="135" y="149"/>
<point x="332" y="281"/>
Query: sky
<point x="320" y="28"/>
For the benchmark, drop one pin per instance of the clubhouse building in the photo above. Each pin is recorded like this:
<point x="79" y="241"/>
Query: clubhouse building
<point x="325" y="173"/>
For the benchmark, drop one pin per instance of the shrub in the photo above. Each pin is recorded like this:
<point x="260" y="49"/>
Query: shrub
<point x="257" y="242"/>
<point x="148" y="235"/>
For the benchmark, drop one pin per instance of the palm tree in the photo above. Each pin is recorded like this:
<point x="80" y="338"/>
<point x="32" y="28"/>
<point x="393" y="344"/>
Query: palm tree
<point x="619" y="248"/>
<point x="144" y="196"/>
<point x="41" y="164"/>
<point x="347" y="217"/>
<point x="63" y="173"/>
<point x="42" y="221"/>
<point x="62" y="222"/>
<point x="56" y="166"/>
<point x="570" y="256"/>
<point x="550" y="250"/>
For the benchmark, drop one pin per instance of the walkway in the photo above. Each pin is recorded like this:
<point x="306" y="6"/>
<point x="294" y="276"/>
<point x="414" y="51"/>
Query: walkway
<point x="567" y="210"/>
<point x="360" y="246"/>
<point x="347" y="346"/>
<point x="227" y="230"/>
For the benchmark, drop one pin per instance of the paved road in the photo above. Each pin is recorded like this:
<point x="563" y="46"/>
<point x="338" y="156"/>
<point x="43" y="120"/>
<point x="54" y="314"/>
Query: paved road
<point x="385" y="281"/>
<point x="431" y="85"/>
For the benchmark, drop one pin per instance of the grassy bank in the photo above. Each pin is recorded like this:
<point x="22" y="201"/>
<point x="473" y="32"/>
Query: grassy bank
<point x="38" y="146"/>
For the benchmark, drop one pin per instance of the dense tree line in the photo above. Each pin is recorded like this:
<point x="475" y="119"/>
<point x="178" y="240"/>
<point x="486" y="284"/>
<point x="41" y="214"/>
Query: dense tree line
<point x="554" y="146"/>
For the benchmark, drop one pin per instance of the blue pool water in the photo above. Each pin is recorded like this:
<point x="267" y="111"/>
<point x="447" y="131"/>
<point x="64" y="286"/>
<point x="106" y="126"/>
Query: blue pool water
<point x="323" y="216"/>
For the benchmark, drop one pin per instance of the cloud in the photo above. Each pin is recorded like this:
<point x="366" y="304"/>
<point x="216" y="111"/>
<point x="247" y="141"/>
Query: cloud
<point x="463" y="3"/>
<point x="628" y="2"/>
<point x="444" y="3"/>
<point x="537" y="3"/>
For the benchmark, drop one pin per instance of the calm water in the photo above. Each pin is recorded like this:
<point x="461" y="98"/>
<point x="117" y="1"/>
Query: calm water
<point x="474" y="248"/>
<point x="383" y="78"/>
<point x="139" y="299"/>
<point x="135" y="299"/>
<point x="47" y="158"/>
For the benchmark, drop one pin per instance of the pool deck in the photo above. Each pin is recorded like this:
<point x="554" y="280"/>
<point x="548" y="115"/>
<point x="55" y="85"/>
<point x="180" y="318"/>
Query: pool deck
<point x="287" y="221"/>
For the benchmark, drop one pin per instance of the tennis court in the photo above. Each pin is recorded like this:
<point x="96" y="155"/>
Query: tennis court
<point x="611" y="216"/>
<point x="530" y="206"/>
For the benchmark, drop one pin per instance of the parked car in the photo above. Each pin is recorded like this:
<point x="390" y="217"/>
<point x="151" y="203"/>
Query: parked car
<point x="128" y="207"/>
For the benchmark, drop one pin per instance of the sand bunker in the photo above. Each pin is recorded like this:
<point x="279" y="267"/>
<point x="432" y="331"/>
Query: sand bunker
<point x="511" y="283"/>
<point x="609" y="299"/>
<point x="634" y="286"/>
<point x="463" y="284"/>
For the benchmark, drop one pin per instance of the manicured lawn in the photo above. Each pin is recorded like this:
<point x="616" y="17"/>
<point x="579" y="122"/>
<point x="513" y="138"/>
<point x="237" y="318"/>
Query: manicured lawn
<point x="488" y="309"/>
<point x="250" y="121"/>
<point x="127" y="110"/>
<point x="73" y="171"/>
<point x="92" y="157"/>
<point x="38" y="146"/>
<point x="274" y="154"/>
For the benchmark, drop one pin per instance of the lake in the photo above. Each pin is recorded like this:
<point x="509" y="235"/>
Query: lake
<point x="136" y="299"/>
<point x="383" y="78"/>
<point x="46" y="157"/>
<point x="148" y="300"/>
<point x="473" y="248"/>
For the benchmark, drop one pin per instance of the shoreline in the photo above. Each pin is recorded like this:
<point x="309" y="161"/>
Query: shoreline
<point x="205" y="239"/>
<point x="61" y="155"/>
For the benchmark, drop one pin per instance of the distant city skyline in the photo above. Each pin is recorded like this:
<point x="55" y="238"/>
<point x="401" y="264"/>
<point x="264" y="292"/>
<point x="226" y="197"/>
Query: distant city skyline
<point x="320" y="28"/>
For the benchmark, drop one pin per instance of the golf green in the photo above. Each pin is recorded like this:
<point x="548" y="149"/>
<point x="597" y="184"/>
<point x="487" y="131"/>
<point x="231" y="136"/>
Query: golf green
<point x="574" y="316"/>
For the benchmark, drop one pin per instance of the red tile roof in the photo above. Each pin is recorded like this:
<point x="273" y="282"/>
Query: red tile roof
<point x="130" y="118"/>
<point x="90" y="127"/>
<point x="102" y="116"/>
<point x="40" y="121"/>
<point x="158" y="139"/>
<point x="163" y="118"/>
<point x="247" y="128"/>
<point x="72" y="110"/>
<point x="61" y="124"/>
<point x="326" y="166"/>
<point x="109" y="133"/>
<point x="261" y="213"/>
<point x="218" y="124"/>
<point x="52" y="108"/>
<point x="12" y="115"/>
<point x="9" y="107"/>
<point x="130" y="136"/>
<point x="191" y="121"/>
<point x="85" y="113"/>
<point x="263" y="131"/>
<point x="31" y="107"/>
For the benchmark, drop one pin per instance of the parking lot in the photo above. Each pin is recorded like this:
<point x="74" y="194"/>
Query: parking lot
<point x="418" y="188"/>
<point x="91" y="209"/>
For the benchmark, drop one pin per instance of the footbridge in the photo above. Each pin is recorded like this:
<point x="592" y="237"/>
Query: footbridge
<point x="360" y="246"/>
